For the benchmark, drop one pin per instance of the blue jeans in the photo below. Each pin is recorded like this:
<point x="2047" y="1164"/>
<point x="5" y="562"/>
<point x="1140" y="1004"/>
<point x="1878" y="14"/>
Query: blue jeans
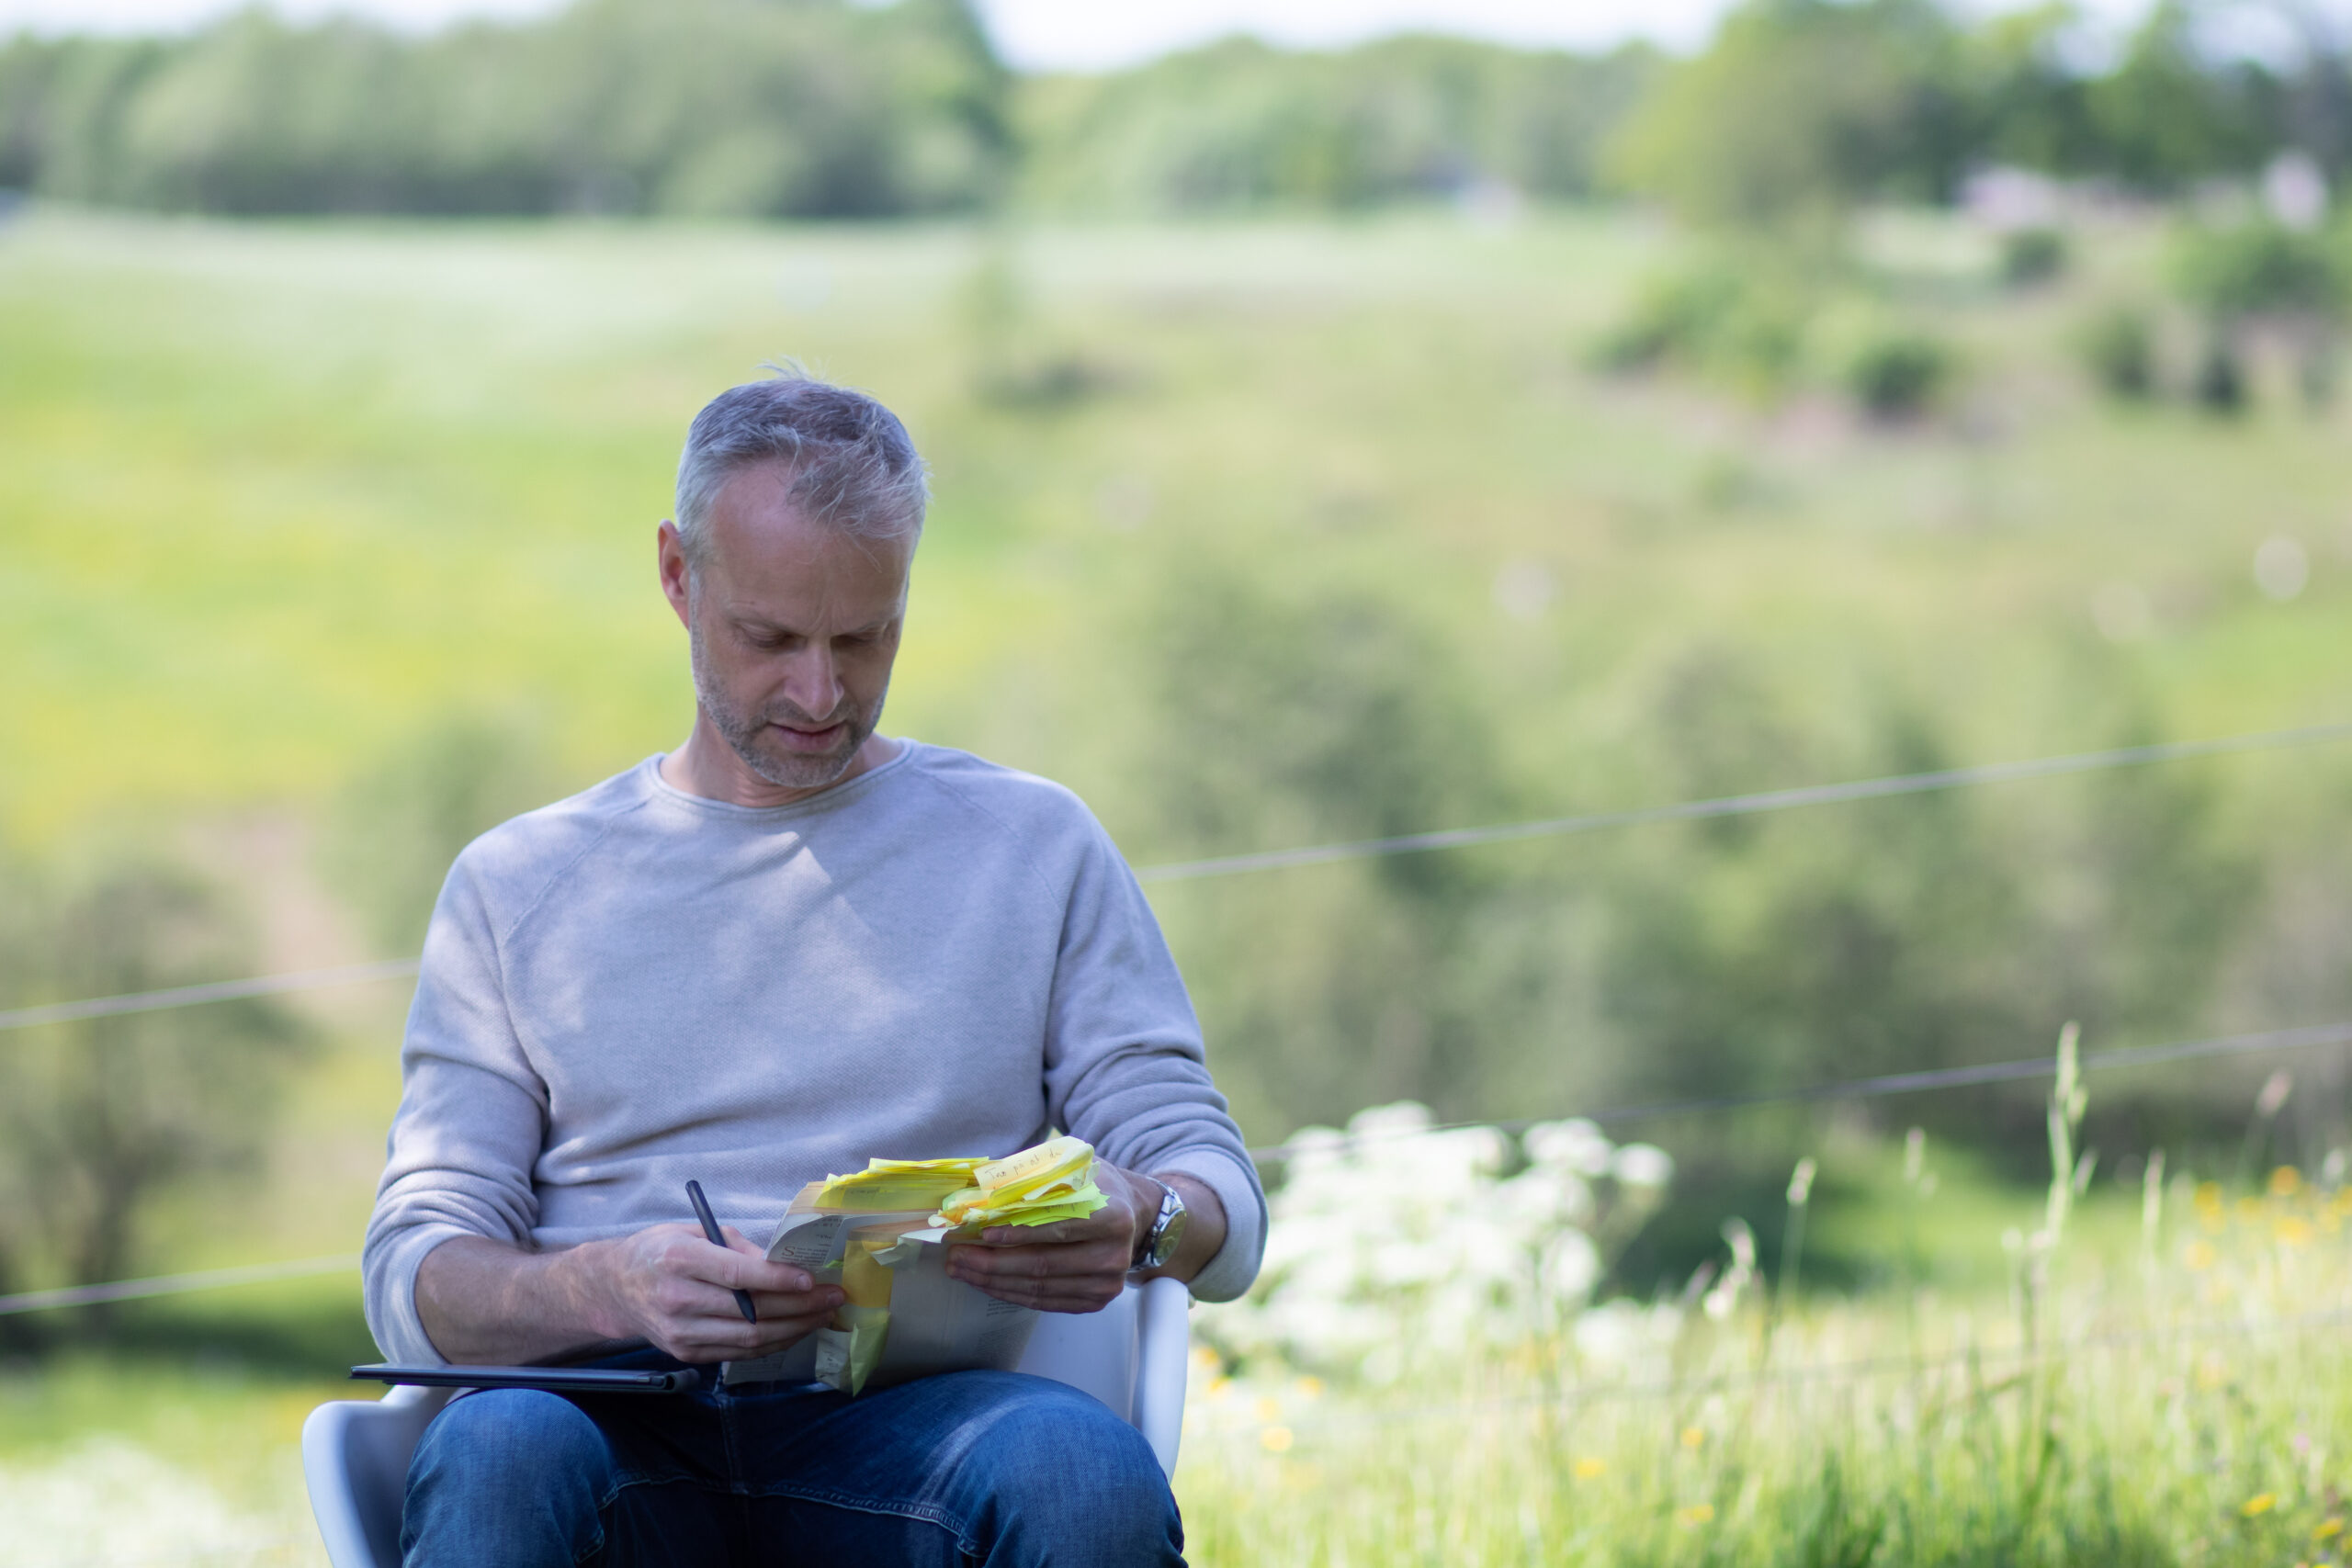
<point x="994" y="1468"/>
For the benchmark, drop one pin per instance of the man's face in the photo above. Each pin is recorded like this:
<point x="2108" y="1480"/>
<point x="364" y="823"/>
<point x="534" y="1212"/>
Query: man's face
<point x="792" y="626"/>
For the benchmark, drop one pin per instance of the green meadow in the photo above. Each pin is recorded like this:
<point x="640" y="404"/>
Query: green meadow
<point x="276" y="500"/>
<point x="274" y="495"/>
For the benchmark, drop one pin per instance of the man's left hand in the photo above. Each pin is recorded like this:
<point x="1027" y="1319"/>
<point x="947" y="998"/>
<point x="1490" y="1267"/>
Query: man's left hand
<point x="1070" y="1265"/>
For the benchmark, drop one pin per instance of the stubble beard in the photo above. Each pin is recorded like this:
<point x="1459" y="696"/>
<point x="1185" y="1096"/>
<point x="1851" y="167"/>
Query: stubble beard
<point x="747" y="734"/>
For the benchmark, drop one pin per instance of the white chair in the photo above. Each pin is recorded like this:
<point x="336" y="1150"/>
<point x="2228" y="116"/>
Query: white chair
<point x="1131" y="1356"/>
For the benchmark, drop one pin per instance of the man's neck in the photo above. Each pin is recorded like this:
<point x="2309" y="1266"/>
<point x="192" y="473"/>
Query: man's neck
<point x="706" y="766"/>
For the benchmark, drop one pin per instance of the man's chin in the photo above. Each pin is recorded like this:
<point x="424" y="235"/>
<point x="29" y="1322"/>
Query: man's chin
<point x="803" y="770"/>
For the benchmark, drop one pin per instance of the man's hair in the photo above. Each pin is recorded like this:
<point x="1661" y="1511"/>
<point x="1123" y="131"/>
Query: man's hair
<point x="852" y="464"/>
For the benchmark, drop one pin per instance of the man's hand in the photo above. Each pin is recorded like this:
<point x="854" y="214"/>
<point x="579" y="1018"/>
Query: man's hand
<point x="668" y="1285"/>
<point x="487" y="1302"/>
<point x="1082" y="1265"/>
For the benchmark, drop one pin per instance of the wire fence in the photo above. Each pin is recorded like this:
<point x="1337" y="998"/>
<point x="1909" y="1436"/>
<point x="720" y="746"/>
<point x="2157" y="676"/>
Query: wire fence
<point x="177" y="1284"/>
<point x="2308" y="1037"/>
<point x="1863" y="1088"/>
<point x="2024" y="1068"/>
<point x="1756" y="804"/>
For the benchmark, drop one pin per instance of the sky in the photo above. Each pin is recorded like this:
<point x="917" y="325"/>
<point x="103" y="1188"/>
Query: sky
<point x="1070" y="35"/>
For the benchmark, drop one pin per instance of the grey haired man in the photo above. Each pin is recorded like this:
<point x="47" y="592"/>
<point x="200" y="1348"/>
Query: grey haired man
<point x="787" y="946"/>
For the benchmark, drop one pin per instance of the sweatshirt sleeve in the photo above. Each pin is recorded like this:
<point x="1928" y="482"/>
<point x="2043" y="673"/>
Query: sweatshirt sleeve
<point x="1124" y="1067"/>
<point x="471" y="1122"/>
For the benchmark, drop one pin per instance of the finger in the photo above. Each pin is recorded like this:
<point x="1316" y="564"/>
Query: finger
<point x="976" y="1263"/>
<point x="1102" y="1225"/>
<point x="732" y="1338"/>
<point x="737" y="1271"/>
<point x="1056" y="1295"/>
<point x="1096" y="1286"/>
<point x="819" y="1303"/>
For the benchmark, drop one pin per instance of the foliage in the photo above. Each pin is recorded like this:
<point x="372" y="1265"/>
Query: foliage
<point x="106" y="1115"/>
<point x="2259" y="268"/>
<point x="2118" y="345"/>
<point x="1741" y="318"/>
<point x="705" y="108"/>
<point x="1898" y="375"/>
<point x="2033" y="255"/>
<point x="1239" y="125"/>
<point x="1764" y="322"/>
<point x="2170" y="113"/>
<point x="750" y="108"/>
<point x="1799" y="109"/>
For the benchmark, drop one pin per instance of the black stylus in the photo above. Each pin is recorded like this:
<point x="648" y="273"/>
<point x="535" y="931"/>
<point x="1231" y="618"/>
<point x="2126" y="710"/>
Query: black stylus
<point x="718" y="1238"/>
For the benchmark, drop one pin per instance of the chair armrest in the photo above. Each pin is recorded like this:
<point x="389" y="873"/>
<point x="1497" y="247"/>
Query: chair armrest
<point x="355" y="1461"/>
<point x="1163" y="1358"/>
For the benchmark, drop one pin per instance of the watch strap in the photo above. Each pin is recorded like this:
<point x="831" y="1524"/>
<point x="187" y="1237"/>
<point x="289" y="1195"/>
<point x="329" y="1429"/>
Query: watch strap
<point x="1154" y="1251"/>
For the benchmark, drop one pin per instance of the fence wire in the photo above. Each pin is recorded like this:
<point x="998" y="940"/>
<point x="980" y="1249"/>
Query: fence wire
<point x="1750" y="805"/>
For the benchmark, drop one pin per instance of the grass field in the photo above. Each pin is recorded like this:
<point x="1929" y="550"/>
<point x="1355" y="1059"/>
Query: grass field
<point x="273" y="497"/>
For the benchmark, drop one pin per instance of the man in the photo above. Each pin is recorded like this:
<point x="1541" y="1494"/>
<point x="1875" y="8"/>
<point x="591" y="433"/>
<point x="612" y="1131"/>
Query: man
<point x="787" y="946"/>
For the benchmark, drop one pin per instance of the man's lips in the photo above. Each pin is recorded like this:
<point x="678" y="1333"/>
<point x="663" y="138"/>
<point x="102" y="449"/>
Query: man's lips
<point x="800" y="740"/>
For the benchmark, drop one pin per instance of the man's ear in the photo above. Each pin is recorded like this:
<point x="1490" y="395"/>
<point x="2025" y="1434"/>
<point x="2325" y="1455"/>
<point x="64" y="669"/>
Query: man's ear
<point x="676" y="572"/>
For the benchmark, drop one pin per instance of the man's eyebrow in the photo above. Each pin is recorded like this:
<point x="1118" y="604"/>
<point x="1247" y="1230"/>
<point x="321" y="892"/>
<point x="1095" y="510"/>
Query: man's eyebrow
<point x="751" y="621"/>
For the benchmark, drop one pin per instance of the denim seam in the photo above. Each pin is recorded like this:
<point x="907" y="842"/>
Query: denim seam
<point x="925" y="1513"/>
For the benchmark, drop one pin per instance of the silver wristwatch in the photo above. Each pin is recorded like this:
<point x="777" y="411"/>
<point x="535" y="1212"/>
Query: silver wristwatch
<point x="1166" y="1232"/>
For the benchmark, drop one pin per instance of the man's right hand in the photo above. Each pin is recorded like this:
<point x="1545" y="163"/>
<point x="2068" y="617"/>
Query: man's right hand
<point x="669" y="1286"/>
<point x="485" y="1301"/>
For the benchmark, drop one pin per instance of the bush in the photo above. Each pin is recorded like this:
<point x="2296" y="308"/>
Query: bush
<point x="2219" y="387"/>
<point x="2033" y="255"/>
<point x="1742" y="323"/>
<point x="1898" y="374"/>
<point x="2119" y="349"/>
<point x="2260" y="268"/>
<point x="103" y="1115"/>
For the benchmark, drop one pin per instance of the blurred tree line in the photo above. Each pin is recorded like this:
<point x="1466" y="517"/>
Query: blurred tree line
<point x="712" y="108"/>
<point x="832" y="108"/>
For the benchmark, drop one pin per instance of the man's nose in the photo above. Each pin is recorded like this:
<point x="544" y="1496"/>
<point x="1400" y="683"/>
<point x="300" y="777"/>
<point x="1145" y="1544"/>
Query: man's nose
<point x="813" y="681"/>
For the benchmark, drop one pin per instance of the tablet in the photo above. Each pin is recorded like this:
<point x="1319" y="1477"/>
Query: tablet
<point x="560" y="1380"/>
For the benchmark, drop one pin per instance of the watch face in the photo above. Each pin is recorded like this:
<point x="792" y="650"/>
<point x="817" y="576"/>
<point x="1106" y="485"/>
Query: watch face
<point x="1169" y="1233"/>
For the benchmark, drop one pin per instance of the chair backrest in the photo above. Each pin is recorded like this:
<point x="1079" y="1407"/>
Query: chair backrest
<point x="1131" y="1356"/>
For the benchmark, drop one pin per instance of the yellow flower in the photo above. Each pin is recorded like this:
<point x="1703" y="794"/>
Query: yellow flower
<point x="2249" y="1210"/>
<point x="1591" y="1469"/>
<point x="1694" y="1437"/>
<point x="2260" y="1503"/>
<point x="1275" y="1439"/>
<point x="2199" y="1256"/>
<point x="1269" y="1409"/>
<point x="1308" y="1387"/>
<point x="1219" y="1388"/>
<point x="1697" y="1513"/>
<point x="2328" y="1528"/>
<point x="2286" y="1182"/>
<point x="2291" y="1231"/>
<point x="2209" y="1196"/>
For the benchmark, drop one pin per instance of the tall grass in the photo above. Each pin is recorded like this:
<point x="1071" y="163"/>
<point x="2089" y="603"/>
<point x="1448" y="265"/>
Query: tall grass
<point x="2195" y="1408"/>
